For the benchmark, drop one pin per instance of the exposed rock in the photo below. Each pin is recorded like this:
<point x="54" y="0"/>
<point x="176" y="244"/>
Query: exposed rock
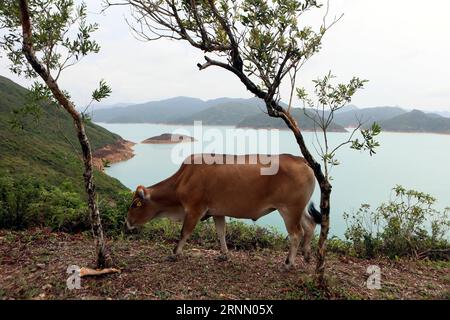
<point x="121" y="150"/>
<point x="169" y="138"/>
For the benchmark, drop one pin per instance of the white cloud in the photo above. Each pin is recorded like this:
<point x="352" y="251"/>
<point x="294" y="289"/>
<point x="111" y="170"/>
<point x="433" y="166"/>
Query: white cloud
<point x="400" y="46"/>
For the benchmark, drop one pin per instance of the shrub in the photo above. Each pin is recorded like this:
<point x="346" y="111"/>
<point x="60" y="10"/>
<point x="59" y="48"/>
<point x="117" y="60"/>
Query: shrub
<point x="27" y="201"/>
<point x="16" y="197"/>
<point x="405" y="226"/>
<point x="239" y="236"/>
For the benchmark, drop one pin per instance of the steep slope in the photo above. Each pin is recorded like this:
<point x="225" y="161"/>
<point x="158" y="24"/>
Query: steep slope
<point x="47" y="147"/>
<point x="262" y="120"/>
<point x="417" y="121"/>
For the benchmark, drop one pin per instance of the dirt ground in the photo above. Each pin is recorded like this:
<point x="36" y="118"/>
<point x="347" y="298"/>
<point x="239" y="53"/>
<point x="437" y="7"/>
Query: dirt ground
<point x="33" y="265"/>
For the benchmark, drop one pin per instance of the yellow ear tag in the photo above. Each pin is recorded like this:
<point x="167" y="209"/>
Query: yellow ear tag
<point x="139" y="204"/>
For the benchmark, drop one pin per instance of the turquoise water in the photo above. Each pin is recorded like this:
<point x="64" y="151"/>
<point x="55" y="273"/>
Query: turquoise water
<point x="417" y="161"/>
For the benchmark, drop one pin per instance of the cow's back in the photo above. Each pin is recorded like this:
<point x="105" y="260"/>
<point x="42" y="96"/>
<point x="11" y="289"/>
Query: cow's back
<point x="235" y="189"/>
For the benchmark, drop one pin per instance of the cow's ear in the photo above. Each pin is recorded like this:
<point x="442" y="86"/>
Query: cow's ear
<point x="143" y="193"/>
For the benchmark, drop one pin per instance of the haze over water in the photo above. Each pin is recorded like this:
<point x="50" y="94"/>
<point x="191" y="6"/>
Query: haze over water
<point x="414" y="160"/>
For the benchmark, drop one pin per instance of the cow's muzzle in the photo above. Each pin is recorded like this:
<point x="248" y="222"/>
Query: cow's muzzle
<point x="127" y="226"/>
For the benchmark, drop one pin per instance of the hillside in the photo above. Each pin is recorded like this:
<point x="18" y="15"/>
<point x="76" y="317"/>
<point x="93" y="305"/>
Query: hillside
<point x="47" y="148"/>
<point x="262" y="120"/>
<point x="417" y="121"/>
<point x="249" y="274"/>
<point x="151" y="112"/>
<point x="182" y="110"/>
<point x="351" y="118"/>
<point x="228" y="113"/>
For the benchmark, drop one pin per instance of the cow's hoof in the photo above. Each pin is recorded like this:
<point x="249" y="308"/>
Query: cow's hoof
<point x="223" y="257"/>
<point x="172" y="258"/>
<point x="286" y="267"/>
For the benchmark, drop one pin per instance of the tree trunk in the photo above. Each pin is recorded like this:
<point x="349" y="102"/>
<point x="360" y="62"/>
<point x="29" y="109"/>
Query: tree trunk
<point x="325" y="193"/>
<point x="28" y="50"/>
<point x="275" y="110"/>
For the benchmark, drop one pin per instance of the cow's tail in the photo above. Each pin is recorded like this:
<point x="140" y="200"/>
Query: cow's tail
<point x="314" y="214"/>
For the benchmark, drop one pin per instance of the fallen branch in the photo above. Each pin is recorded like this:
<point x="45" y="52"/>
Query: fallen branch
<point x="86" y="272"/>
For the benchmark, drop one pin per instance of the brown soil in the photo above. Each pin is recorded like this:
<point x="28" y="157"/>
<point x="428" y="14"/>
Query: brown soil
<point x="33" y="265"/>
<point x="121" y="150"/>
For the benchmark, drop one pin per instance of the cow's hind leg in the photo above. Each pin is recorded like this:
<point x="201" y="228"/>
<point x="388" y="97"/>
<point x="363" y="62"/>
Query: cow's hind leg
<point x="221" y="232"/>
<point x="291" y="219"/>
<point x="308" y="233"/>
<point x="190" y="221"/>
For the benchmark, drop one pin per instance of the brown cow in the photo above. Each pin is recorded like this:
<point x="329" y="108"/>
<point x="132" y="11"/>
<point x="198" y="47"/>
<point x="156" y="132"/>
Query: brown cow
<point x="199" y="190"/>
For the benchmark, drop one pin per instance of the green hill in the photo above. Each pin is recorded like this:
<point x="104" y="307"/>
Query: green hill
<point x="44" y="154"/>
<point x="229" y="114"/>
<point x="351" y="118"/>
<point x="417" y="121"/>
<point x="151" y="112"/>
<point x="262" y="120"/>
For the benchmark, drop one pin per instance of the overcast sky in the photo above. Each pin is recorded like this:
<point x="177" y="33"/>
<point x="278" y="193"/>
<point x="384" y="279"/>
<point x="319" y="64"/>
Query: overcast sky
<point x="401" y="46"/>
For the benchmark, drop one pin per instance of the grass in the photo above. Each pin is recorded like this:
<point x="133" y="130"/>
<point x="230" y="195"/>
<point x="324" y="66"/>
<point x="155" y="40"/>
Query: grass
<point x="34" y="263"/>
<point x="47" y="146"/>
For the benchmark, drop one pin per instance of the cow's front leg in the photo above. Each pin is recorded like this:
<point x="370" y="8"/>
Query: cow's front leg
<point x="190" y="221"/>
<point x="221" y="232"/>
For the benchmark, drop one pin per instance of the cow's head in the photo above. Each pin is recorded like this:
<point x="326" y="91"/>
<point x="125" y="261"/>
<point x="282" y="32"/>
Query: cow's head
<point x="141" y="209"/>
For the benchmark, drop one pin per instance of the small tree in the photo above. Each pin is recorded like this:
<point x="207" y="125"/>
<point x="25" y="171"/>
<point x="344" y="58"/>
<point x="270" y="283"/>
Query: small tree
<point x="328" y="100"/>
<point x="261" y="42"/>
<point x="42" y="39"/>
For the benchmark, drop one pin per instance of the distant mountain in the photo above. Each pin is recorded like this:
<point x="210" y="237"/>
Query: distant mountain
<point x="181" y="110"/>
<point x="242" y="112"/>
<point x="101" y="106"/>
<point x="417" y="121"/>
<point x="151" y="112"/>
<point x="352" y="117"/>
<point x="445" y="114"/>
<point x="262" y="120"/>
<point x="227" y="113"/>
<point x="347" y="108"/>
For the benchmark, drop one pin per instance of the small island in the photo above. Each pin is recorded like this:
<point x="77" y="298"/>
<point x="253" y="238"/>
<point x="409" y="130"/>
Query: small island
<point x="166" y="138"/>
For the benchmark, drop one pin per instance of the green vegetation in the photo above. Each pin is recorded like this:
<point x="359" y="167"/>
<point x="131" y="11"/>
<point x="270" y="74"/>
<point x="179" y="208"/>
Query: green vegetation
<point x="408" y="225"/>
<point x="304" y="119"/>
<point x="248" y="113"/>
<point x="151" y="112"/>
<point x="417" y="121"/>
<point x="240" y="236"/>
<point x="352" y="118"/>
<point x="40" y="185"/>
<point x="224" y="111"/>
<point x="222" y="114"/>
<point x="41" y="168"/>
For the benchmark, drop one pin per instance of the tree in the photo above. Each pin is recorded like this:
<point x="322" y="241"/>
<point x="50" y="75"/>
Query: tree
<point x="42" y="39"/>
<point x="261" y="42"/>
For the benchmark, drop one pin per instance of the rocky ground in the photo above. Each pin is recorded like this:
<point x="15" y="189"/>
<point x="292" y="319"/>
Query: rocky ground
<point x="33" y="265"/>
<point x="121" y="150"/>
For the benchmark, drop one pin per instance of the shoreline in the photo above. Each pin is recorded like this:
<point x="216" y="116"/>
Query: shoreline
<point x="268" y="128"/>
<point x="212" y="125"/>
<point x="121" y="150"/>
